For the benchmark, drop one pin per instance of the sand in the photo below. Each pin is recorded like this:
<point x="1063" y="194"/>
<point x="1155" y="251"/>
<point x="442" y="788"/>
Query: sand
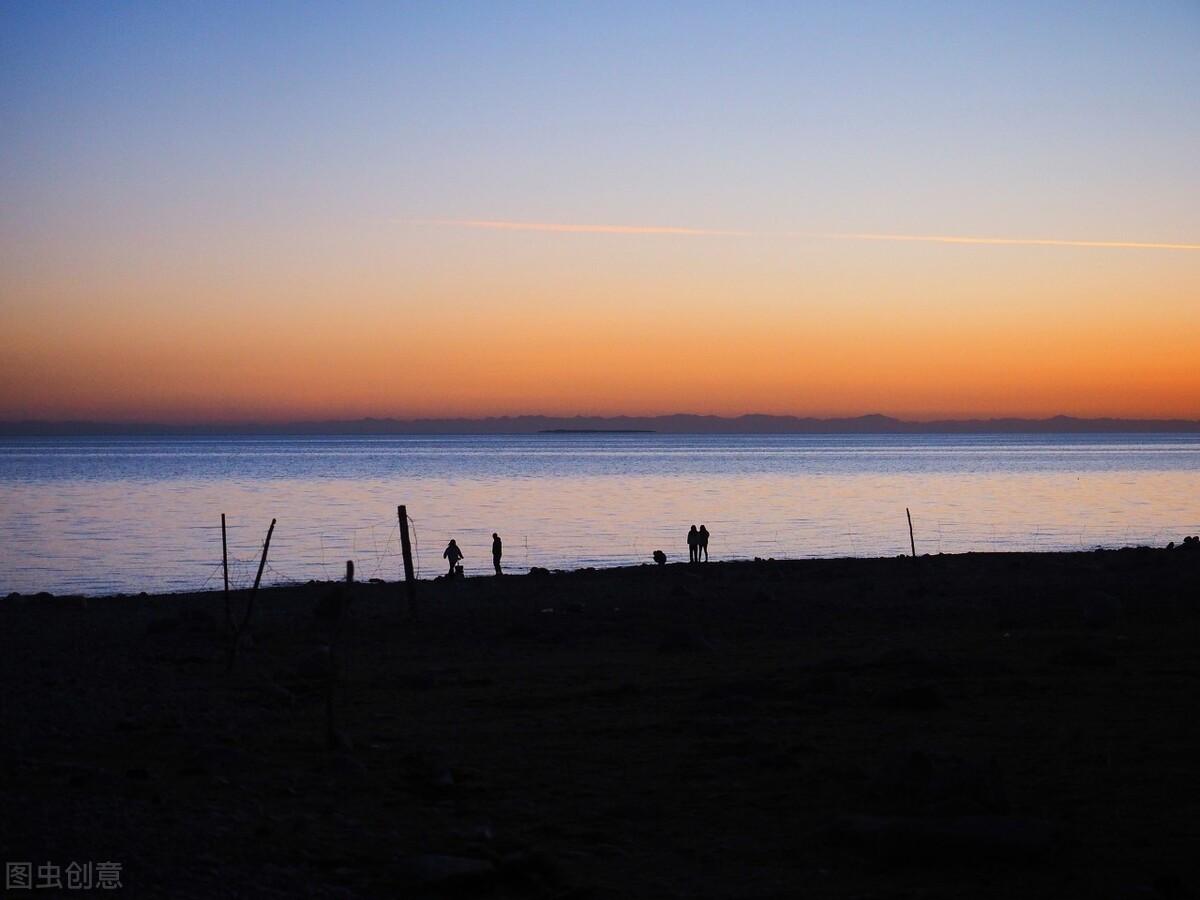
<point x="983" y="725"/>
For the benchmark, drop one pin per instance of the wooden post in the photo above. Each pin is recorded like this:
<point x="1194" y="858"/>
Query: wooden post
<point x="225" y="566"/>
<point x="262" y="564"/>
<point x="237" y="634"/>
<point x="911" y="541"/>
<point x="349" y="571"/>
<point x="410" y="580"/>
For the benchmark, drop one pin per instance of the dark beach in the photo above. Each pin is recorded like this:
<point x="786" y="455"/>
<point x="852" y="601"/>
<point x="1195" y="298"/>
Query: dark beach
<point x="982" y="725"/>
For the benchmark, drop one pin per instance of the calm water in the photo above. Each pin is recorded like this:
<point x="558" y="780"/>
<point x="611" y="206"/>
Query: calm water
<point x="128" y="514"/>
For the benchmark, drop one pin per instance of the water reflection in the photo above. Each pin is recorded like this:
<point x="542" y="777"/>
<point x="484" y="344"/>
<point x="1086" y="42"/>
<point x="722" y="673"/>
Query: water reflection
<point x="105" y="515"/>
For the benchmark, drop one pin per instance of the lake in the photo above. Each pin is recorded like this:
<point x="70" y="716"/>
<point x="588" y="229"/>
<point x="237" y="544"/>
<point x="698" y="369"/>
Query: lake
<point x="108" y="515"/>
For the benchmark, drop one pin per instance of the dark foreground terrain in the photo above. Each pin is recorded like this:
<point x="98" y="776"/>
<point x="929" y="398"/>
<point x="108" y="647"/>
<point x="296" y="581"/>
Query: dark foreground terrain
<point x="955" y="726"/>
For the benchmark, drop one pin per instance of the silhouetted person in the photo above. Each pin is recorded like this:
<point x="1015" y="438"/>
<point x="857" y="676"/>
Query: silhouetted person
<point x="497" y="552"/>
<point x="693" y="545"/>
<point x="453" y="555"/>
<point x="702" y="545"/>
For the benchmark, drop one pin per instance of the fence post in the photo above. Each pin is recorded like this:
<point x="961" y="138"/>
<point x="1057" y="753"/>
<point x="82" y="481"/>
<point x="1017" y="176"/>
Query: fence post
<point x="262" y="564"/>
<point x="225" y="568"/>
<point x="911" y="541"/>
<point x="410" y="581"/>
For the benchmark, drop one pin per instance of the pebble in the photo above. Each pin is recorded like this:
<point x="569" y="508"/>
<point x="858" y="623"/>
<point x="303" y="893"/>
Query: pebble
<point x="436" y="869"/>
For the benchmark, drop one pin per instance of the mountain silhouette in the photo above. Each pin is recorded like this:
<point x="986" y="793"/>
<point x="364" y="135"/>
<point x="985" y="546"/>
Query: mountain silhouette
<point x="679" y="423"/>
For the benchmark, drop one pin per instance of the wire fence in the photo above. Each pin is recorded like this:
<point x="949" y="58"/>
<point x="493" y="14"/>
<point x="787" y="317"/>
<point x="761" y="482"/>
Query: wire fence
<point x="376" y="548"/>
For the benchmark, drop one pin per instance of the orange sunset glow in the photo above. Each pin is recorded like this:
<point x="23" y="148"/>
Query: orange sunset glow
<point x="429" y="237"/>
<point x="618" y="323"/>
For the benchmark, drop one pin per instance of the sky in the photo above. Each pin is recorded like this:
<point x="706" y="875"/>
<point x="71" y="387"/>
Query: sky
<point x="275" y="211"/>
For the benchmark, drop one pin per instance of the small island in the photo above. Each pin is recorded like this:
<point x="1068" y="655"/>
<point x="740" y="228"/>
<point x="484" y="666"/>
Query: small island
<point x="597" y="431"/>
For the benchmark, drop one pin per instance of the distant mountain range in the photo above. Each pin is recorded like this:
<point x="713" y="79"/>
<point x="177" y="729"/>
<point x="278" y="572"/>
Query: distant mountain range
<point x="674" y="424"/>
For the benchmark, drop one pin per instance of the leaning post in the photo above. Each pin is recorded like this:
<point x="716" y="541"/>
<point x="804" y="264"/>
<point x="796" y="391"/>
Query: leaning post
<point x="249" y="611"/>
<point x="410" y="581"/>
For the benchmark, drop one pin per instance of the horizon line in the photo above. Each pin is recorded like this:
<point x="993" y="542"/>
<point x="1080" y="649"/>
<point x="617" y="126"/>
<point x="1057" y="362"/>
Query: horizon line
<point x="16" y="424"/>
<point x="689" y="231"/>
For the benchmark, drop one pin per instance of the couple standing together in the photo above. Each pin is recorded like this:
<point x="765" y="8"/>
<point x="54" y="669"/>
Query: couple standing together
<point x="697" y="543"/>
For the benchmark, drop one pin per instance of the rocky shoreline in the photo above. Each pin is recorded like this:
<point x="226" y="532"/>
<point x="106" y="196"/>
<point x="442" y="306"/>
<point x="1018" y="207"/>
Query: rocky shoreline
<point x="984" y="725"/>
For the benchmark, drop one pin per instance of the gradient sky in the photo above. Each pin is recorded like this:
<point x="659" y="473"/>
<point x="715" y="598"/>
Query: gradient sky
<point x="274" y="211"/>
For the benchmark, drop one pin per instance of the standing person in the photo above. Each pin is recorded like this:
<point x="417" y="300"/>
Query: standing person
<point x="497" y="552"/>
<point x="453" y="555"/>
<point x="702" y="547"/>
<point x="693" y="545"/>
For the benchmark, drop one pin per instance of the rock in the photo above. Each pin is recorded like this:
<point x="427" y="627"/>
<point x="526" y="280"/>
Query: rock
<point x="339" y="740"/>
<point x="69" y="601"/>
<point x="1084" y="656"/>
<point x="200" y="621"/>
<point x="1170" y="886"/>
<point x="230" y="760"/>
<point x="346" y="765"/>
<point x="920" y="697"/>
<point x="917" y="663"/>
<point x="162" y="626"/>
<point x="946" y="840"/>
<point x="683" y="639"/>
<point x="431" y="771"/>
<point x="529" y="865"/>
<point x="475" y="834"/>
<point x="79" y="774"/>
<point x="1100" y="610"/>
<point x="277" y="695"/>
<point x="435" y="869"/>
<point x="919" y="782"/>
<point x="316" y="665"/>
<point x="331" y="606"/>
<point x="538" y="570"/>
<point x="425" y="680"/>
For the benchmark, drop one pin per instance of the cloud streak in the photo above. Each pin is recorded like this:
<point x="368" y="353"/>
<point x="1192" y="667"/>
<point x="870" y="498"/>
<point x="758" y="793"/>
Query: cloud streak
<point x="584" y="228"/>
<point x="999" y="241"/>
<point x="569" y="228"/>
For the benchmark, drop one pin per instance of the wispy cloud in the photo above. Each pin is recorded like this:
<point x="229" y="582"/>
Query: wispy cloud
<point x="563" y="227"/>
<point x="1020" y="242"/>
<point x="584" y="228"/>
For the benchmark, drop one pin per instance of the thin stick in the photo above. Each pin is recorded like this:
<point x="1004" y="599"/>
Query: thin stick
<point x="911" y="541"/>
<point x="262" y="564"/>
<point x="225" y="567"/>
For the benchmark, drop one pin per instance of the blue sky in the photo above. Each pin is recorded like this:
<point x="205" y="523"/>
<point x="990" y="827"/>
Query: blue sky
<point x="163" y="160"/>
